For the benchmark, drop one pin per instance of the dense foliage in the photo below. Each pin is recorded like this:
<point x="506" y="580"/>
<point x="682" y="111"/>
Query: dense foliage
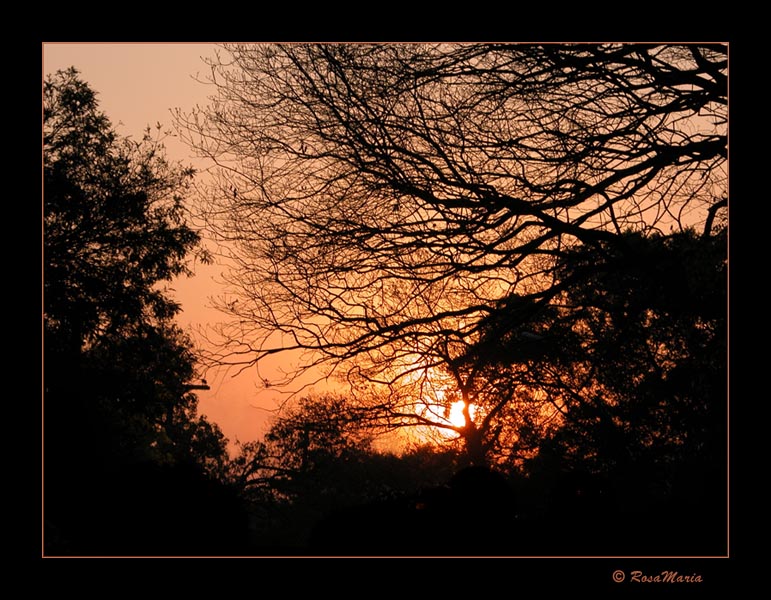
<point x="120" y="423"/>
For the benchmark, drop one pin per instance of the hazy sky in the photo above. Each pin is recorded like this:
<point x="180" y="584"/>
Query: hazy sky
<point x="138" y="85"/>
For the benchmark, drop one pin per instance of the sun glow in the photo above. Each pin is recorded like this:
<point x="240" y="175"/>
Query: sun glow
<point x="455" y="416"/>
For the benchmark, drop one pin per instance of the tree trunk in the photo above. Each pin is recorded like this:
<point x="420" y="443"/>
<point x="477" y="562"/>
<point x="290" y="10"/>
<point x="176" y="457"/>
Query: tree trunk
<point x="474" y="447"/>
<point x="473" y="438"/>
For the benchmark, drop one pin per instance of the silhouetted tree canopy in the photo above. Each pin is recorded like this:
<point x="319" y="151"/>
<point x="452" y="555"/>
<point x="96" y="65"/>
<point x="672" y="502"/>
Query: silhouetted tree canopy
<point x="118" y="413"/>
<point x="316" y="460"/>
<point x="386" y="205"/>
<point x="114" y="220"/>
<point x="636" y="342"/>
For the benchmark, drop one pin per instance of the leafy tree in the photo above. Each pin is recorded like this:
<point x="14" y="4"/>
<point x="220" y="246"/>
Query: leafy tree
<point x="118" y="409"/>
<point x="632" y="361"/>
<point x="302" y="441"/>
<point x="114" y="220"/>
<point x="632" y="320"/>
<point x="385" y="204"/>
<point x="655" y="342"/>
<point x="316" y="459"/>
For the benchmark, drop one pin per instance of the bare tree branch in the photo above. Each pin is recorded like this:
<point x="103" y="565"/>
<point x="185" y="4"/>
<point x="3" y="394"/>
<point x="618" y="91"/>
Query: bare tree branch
<point x="383" y="200"/>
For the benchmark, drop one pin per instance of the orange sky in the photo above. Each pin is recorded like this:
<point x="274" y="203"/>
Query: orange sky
<point x="138" y="85"/>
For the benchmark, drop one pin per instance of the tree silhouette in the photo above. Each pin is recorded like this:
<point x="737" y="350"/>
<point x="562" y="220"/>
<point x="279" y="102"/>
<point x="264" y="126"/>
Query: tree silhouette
<point x="118" y="413"/>
<point x="650" y="418"/>
<point x="317" y="461"/>
<point x="385" y="203"/>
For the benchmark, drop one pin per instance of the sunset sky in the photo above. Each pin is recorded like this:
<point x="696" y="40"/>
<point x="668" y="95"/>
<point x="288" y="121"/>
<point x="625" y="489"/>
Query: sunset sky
<point x="507" y="262"/>
<point x="139" y="85"/>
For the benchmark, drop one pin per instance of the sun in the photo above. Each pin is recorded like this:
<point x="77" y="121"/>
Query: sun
<point x="448" y="418"/>
<point x="455" y="417"/>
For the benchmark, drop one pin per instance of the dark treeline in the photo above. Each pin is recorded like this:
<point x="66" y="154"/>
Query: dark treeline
<point x="601" y="394"/>
<point x="129" y="466"/>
